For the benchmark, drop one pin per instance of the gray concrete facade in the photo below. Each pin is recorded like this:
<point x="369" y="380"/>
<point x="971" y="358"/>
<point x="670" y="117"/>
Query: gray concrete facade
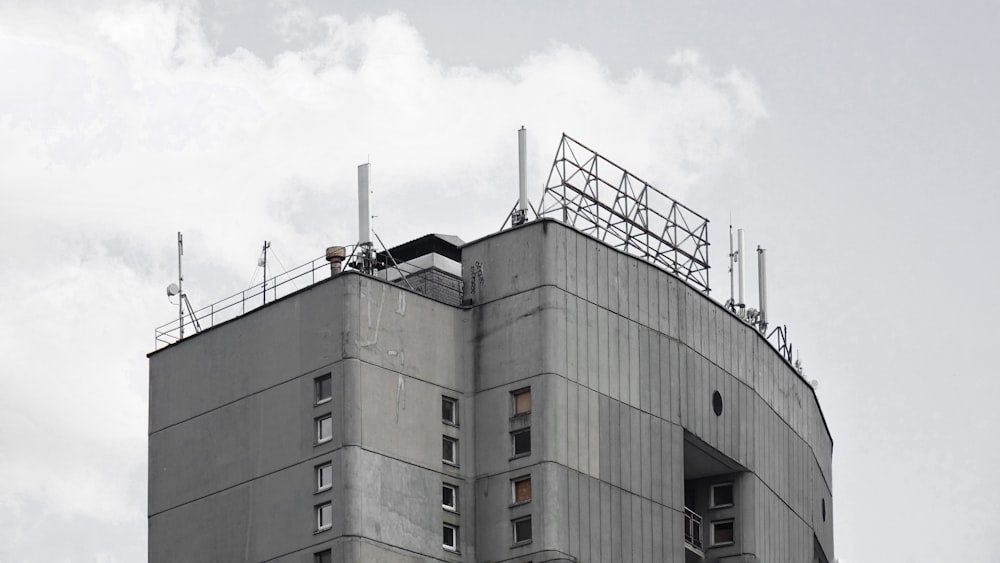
<point x="621" y="359"/>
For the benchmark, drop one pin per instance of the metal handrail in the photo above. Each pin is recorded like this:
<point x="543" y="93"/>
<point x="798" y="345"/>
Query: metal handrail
<point x="238" y="304"/>
<point x="692" y="528"/>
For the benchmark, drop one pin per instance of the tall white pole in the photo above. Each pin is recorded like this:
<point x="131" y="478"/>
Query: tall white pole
<point x="522" y="169"/>
<point x="364" y="211"/>
<point x="180" y="283"/>
<point x="762" y="285"/>
<point x="739" y="257"/>
<point x="732" y="264"/>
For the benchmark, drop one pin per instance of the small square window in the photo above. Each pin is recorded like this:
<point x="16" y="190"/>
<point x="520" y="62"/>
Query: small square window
<point x="449" y="537"/>
<point x="522" y="530"/>
<point x="324" y="516"/>
<point x="521" y="401"/>
<point x="324" y="476"/>
<point x="449" y="497"/>
<point x="521" y="442"/>
<point x="449" y="410"/>
<point x="325" y="556"/>
<point x="721" y="495"/>
<point x="723" y="532"/>
<point x="324" y="388"/>
<point x="449" y="450"/>
<point x="521" y="489"/>
<point x="324" y="429"/>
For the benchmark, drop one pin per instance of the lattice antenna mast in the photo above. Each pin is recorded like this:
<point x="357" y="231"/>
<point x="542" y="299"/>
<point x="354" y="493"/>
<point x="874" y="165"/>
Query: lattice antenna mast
<point x="599" y="198"/>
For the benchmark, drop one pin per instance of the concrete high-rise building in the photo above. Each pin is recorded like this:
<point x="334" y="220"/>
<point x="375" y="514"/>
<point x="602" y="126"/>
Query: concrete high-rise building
<point x="535" y="395"/>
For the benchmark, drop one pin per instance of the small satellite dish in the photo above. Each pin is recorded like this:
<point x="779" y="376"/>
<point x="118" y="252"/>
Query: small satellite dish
<point x="814" y="384"/>
<point x="172" y="290"/>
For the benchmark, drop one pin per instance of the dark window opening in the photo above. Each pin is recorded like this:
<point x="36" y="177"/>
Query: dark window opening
<point x="723" y="533"/>
<point x="722" y="495"/>
<point x="449" y="497"/>
<point x="522" y="442"/>
<point x="522" y="530"/>
<point x="449" y="450"/>
<point x="449" y="410"/>
<point x="449" y="539"/>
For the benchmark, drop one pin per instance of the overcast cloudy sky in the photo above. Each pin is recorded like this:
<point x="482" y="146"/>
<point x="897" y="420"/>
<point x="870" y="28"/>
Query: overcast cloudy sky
<point x="857" y="142"/>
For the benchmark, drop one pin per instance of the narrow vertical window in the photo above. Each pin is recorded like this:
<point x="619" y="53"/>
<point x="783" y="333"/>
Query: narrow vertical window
<point x="449" y="410"/>
<point x="325" y="556"/>
<point x="324" y="429"/>
<point x="521" y="489"/>
<point x="449" y="497"/>
<point x="323" y="388"/>
<point x="324" y="476"/>
<point x="521" y="401"/>
<point x="449" y="538"/>
<point x="324" y="516"/>
<point x="522" y="530"/>
<point x="449" y="450"/>
<point x="521" y="442"/>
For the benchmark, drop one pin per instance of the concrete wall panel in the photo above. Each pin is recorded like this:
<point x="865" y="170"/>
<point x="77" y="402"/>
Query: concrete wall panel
<point x="234" y="359"/>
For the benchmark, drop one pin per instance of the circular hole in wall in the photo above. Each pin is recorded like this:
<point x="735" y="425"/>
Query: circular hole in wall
<point x="717" y="403"/>
<point x="823" y="501"/>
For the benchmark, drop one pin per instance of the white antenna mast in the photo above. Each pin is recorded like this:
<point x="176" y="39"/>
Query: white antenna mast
<point x="739" y="258"/>
<point x="521" y="215"/>
<point x="762" y="286"/>
<point x="364" y="218"/>
<point x="180" y="283"/>
<point x="736" y="257"/>
<point x="732" y="260"/>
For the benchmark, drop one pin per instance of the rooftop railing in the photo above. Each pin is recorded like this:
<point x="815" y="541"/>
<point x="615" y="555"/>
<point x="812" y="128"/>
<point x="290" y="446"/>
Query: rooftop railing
<point x="447" y="290"/>
<point x="249" y="299"/>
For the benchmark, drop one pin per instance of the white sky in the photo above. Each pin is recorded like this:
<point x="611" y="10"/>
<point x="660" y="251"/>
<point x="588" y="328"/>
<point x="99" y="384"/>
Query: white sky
<point x="850" y="141"/>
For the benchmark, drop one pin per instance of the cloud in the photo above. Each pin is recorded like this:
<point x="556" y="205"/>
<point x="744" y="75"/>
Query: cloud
<point x="121" y="125"/>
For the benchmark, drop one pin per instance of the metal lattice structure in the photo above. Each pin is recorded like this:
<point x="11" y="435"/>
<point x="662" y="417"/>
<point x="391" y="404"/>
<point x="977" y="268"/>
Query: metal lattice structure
<point x="599" y="198"/>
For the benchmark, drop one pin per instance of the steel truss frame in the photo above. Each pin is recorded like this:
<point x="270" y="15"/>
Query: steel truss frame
<point x="601" y="199"/>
